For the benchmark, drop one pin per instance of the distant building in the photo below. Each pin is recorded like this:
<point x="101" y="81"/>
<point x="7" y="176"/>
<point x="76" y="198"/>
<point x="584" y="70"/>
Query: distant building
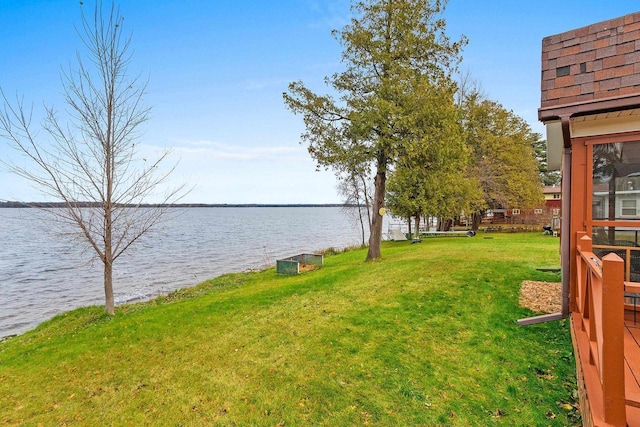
<point x="553" y="198"/>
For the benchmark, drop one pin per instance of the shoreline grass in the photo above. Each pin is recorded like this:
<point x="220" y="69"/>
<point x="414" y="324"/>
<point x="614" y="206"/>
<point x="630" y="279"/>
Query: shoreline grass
<point x="425" y="336"/>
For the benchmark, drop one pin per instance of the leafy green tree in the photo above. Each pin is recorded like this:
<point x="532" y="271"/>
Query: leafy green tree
<point x="502" y="156"/>
<point x="540" y="151"/>
<point x="405" y="198"/>
<point x="419" y="192"/>
<point x="430" y="178"/>
<point x="394" y="52"/>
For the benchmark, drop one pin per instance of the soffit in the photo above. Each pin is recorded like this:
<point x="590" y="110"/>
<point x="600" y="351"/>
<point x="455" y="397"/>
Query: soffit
<point x="605" y="123"/>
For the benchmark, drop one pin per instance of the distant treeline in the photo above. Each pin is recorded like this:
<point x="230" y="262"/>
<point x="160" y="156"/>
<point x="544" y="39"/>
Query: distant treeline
<point x="13" y="204"/>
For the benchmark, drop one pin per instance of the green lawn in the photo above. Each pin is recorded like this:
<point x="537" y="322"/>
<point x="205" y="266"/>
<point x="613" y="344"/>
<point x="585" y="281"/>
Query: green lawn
<point x="425" y="336"/>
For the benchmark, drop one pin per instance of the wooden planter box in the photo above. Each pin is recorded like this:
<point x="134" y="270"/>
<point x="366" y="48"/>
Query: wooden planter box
<point x="299" y="264"/>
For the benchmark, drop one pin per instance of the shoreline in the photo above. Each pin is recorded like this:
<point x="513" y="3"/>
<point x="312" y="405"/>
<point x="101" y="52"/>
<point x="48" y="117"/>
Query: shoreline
<point x="197" y="245"/>
<point x="142" y="299"/>
<point x="16" y="204"/>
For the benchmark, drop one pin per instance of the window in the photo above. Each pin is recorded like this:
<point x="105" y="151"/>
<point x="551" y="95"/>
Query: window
<point x="556" y="196"/>
<point x="615" y="191"/>
<point x="556" y="211"/>
<point x="538" y="211"/>
<point x="629" y="207"/>
<point x="515" y="212"/>
<point x="616" y="181"/>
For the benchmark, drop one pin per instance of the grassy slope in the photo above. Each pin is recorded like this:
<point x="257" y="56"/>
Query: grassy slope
<point x="425" y="336"/>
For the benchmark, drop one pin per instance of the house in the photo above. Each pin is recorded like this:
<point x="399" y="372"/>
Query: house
<point x="552" y="198"/>
<point x="590" y="105"/>
<point x="545" y="214"/>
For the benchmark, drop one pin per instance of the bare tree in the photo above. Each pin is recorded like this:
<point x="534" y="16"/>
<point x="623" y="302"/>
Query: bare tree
<point x="355" y="188"/>
<point x="90" y="164"/>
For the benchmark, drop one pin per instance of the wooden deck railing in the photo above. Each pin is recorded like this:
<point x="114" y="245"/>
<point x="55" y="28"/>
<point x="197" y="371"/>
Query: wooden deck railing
<point x="598" y="318"/>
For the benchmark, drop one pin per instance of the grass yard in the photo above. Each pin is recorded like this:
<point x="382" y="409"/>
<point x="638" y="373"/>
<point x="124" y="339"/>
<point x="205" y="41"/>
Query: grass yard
<point x="425" y="336"/>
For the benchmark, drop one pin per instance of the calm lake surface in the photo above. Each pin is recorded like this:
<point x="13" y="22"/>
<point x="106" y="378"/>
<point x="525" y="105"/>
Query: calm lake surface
<point x="42" y="274"/>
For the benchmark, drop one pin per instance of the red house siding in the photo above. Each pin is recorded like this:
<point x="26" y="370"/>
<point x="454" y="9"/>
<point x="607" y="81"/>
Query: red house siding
<point x="553" y="204"/>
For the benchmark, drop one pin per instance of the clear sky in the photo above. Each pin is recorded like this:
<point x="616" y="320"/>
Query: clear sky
<point x="217" y="70"/>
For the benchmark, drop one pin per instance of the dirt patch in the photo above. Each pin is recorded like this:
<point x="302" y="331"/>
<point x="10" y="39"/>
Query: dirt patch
<point x="541" y="297"/>
<point x="307" y="267"/>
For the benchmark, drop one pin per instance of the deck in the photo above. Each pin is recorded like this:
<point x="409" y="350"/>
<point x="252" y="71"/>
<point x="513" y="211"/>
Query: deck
<point x="632" y="353"/>
<point x="632" y="368"/>
<point x="605" y="328"/>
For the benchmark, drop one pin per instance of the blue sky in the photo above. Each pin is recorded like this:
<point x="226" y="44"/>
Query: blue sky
<point x="217" y="70"/>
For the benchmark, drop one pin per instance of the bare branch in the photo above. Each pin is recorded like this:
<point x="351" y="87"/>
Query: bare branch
<point x="90" y="156"/>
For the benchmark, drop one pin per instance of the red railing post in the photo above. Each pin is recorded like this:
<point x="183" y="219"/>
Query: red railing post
<point x="576" y="300"/>
<point x="579" y="295"/>
<point x="612" y="350"/>
<point x="581" y="242"/>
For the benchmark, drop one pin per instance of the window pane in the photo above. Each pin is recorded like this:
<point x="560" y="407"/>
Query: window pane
<point x="616" y="181"/>
<point x="617" y="236"/>
<point x="628" y="207"/>
<point x="621" y="241"/>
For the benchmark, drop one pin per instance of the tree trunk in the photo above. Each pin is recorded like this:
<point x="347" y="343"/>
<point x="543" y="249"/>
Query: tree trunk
<point x="612" y="207"/>
<point x="367" y="202"/>
<point x="409" y="223"/>
<point x="361" y="223"/>
<point x="417" y="226"/>
<point x="376" y="223"/>
<point x="109" y="304"/>
<point x="108" y="258"/>
<point x="358" y="201"/>
<point x="476" y="220"/>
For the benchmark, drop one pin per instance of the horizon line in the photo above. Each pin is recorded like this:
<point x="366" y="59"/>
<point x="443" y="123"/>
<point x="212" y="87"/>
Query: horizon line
<point x="16" y="204"/>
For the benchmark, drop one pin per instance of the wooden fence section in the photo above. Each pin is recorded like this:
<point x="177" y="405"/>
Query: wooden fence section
<point x="599" y="332"/>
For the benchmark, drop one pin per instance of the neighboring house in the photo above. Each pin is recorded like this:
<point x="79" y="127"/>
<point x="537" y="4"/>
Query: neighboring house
<point x="546" y="214"/>
<point x="552" y="198"/>
<point x="626" y="200"/>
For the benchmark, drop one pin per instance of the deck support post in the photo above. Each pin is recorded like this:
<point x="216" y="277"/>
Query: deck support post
<point x="565" y="219"/>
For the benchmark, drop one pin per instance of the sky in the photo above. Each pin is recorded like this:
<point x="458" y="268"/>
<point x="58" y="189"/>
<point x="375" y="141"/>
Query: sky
<point x="217" y="70"/>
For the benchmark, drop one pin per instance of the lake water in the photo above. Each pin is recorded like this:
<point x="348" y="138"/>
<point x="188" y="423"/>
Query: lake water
<point x="42" y="274"/>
